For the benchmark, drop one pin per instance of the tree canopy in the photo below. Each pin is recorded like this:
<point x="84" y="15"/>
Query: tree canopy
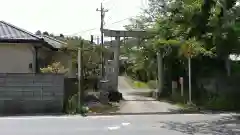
<point x="186" y="28"/>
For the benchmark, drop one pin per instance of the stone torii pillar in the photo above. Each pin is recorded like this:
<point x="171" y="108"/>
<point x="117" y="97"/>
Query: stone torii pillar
<point x="118" y="34"/>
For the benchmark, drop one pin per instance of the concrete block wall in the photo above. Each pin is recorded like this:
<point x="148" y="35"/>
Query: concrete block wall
<point x="31" y="93"/>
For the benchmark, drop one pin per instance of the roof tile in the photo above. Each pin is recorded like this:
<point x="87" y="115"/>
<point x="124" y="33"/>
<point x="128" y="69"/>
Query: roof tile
<point x="9" y="31"/>
<point x="54" y="42"/>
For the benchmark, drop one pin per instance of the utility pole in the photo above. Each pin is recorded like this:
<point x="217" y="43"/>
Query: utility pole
<point x="189" y="79"/>
<point x="98" y="40"/>
<point x="102" y="11"/>
<point x="80" y="77"/>
<point x="160" y="72"/>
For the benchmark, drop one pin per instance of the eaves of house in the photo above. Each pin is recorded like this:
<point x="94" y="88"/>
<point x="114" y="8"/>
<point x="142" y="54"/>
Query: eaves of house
<point x="13" y="34"/>
<point x="54" y="42"/>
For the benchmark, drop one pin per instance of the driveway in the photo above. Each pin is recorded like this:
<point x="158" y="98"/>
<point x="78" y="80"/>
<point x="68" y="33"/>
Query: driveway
<point x="135" y="102"/>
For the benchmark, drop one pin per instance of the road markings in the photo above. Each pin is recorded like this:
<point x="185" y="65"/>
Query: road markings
<point x="193" y="114"/>
<point x="228" y="114"/>
<point x="118" y="127"/>
<point x="125" y="124"/>
<point x="113" y="128"/>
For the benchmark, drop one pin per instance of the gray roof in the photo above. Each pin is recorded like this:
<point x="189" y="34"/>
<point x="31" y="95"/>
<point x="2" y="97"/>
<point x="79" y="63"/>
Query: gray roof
<point x="54" y="42"/>
<point x="11" y="32"/>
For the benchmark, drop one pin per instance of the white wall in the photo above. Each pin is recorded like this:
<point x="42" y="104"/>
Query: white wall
<point x="15" y="58"/>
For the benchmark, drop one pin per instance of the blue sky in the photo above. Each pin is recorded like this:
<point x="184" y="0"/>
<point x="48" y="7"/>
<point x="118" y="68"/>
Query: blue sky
<point x="70" y="17"/>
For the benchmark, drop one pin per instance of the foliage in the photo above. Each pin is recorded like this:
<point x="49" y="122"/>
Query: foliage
<point x="224" y="101"/>
<point x="72" y="105"/>
<point x="91" y="59"/>
<point x="152" y="84"/>
<point x="45" y="33"/>
<point x="55" y="67"/>
<point x="73" y="108"/>
<point x="205" y="30"/>
<point x="193" y="28"/>
<point x="137" y="84"/>
<point x="91" y="55"/>
<point x="38" y="32"/>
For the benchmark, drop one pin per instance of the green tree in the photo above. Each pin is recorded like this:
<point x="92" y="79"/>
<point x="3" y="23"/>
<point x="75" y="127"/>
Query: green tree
<point x="45" y="33"/>
<point x="38" y="32"/>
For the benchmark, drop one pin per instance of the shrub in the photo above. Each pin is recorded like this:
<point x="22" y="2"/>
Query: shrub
<point x="178" y="98"/>
<point x="73" y="108"/>
<point x="72" y="105"/>
<point x="152" y="84"/>
<point x="55" y="67"/>
<point x="224" y="102"/>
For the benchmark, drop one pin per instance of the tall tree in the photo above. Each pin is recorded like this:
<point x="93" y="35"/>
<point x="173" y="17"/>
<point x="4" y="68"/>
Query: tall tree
<point x="38" y="32"/>
<point x="61" y="35"/>
<point x="45" y="33"/>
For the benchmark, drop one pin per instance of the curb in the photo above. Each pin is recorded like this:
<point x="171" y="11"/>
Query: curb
<point x="162" y="113"/>
<point x="146" y="113"/>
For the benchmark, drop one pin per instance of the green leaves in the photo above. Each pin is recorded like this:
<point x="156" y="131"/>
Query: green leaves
<point x="187" y="48"/>
<point x="192" y="48"/>
<point x="188" y="28"/>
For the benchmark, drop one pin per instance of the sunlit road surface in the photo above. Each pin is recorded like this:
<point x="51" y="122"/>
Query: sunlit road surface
<point x="175" y="124"/>
<point x="138" y="104"/>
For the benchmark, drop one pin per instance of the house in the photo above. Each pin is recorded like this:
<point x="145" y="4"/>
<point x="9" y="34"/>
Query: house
<point x="24" y="52"/>
<point x="58" y="56"/>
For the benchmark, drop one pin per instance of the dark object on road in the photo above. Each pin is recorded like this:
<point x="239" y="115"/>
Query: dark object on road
<point x="115" y="96"/>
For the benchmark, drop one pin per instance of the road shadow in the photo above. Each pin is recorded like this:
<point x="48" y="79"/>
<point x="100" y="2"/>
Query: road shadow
<point x="140" y="100"/>
<point x="152" y="112"/>
<point x="224" y="126"/>
<point x="140" y="113"/>
<point x="141" y="93"/>
<point x="32" y="114"/>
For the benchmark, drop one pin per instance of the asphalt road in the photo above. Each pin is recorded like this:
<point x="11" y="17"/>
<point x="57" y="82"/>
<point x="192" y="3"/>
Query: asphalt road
<point x="157" y="124"/>
<point x="175" y="124"/>
<point x="135" y="101"/>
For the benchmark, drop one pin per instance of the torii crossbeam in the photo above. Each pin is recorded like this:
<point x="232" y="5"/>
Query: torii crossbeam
<point x="124" y="33"/>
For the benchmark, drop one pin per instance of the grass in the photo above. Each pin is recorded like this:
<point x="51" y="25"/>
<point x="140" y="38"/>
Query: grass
<point x="182" y="105"/>
<point x="136" y="84"/>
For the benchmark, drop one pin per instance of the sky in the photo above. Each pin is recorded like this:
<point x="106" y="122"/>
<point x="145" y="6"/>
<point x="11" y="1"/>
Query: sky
<point x="69" y="17"/>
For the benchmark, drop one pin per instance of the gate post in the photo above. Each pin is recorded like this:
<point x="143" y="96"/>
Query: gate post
<point x="116" y="62"/>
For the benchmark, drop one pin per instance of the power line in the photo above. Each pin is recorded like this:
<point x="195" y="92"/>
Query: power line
<point x="84" y="31"/>
<point x="121" y="20"/>
<point x="87" y="30"/>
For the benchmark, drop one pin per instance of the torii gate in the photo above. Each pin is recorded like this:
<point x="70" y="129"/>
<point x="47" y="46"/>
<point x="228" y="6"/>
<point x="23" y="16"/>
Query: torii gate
<point x="122" y="33"/>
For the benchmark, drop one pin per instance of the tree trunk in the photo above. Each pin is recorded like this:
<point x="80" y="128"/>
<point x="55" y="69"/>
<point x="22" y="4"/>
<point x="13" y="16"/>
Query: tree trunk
<point x="228" y="66"/>
<point x="160" y="72"/>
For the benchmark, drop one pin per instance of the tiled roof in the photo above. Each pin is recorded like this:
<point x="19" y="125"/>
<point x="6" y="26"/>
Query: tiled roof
<point x="55" y="43"/>
<point x="11" y="32"/>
